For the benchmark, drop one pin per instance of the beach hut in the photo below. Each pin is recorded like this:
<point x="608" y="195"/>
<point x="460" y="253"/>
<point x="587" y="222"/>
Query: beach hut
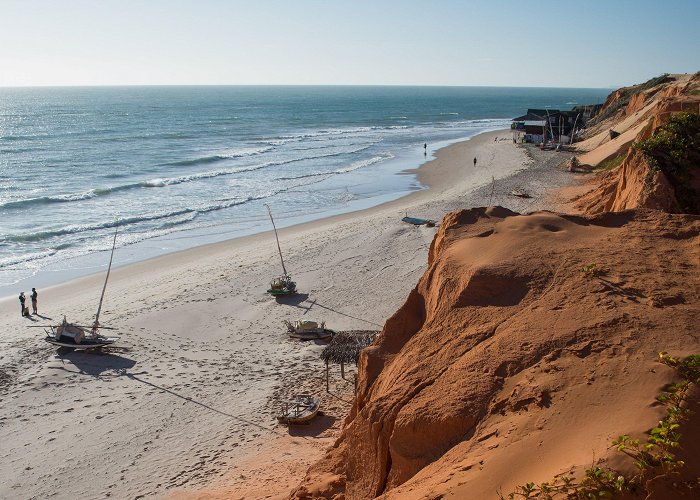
<point x="345" y="347"/>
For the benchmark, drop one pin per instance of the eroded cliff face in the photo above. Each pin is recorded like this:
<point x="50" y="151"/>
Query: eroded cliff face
<point x="638" y="182"/>
<point x="635" y="183"/>
<point x="510" y="363"/>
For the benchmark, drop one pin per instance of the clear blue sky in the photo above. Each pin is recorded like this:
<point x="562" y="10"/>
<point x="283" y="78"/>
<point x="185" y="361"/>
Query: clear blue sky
<point x="589" y="43"/>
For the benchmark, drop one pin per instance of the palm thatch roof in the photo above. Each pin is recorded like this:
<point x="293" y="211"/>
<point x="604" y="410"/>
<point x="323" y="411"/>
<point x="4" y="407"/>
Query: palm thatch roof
<point x="345" y="346"/>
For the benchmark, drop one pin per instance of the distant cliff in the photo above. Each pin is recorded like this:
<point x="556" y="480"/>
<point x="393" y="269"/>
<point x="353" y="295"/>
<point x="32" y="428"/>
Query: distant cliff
<point x="527" y="347"/>
<point x="654" y="160"/>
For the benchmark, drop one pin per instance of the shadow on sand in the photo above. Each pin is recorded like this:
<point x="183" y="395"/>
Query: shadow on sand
<point x="318" y="425"/>
<point x="93" y="363"/>
<point x="292" y="300"/>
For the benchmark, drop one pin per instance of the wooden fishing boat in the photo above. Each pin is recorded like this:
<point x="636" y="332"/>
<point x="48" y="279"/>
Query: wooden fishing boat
<point x="308" y="330"/>
<point x="77" y="337"/>
<point x="282" y="285"/>
<point x="520" y="193"/>
<point x="300" y="410"/>
<point x="80" y="337"/>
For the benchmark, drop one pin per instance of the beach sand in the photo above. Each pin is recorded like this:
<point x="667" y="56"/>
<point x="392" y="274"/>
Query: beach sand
<point x="184" y="406"/>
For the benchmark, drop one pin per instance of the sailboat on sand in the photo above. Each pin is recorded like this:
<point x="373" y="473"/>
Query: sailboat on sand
<point x="81" y="337"/>
<point x="281" y="285"/>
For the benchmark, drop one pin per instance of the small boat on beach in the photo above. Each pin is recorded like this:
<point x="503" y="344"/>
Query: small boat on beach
<point x="282" y="285"/>
<point x="300" y="410"/>
<point x="419" y="222"/>
<point x="308" y="330"/>
<point x="81" y="337"/>
<point x="78" y="337"/>
<point x="520" y="193"/>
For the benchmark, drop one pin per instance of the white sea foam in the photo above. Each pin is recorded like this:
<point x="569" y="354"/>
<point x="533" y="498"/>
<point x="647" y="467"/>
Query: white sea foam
<point x="172" y="166"/>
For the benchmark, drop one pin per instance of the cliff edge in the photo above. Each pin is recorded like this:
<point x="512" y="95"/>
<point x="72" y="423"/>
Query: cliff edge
<point x="528" y="346"/>
<point x="646" y="143"/>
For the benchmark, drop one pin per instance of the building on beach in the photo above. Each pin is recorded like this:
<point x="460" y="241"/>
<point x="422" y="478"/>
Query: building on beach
<point x="551" y="125"/>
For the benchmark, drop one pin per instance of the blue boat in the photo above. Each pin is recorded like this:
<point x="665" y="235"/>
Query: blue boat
<point x="419" y="222"/>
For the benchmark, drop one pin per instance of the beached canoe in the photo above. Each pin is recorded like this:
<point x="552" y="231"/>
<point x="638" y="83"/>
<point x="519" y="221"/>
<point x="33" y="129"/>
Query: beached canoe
<point x="308" y="330"/>
<point x="419" y="222"/>
<point x="520" y="193"/>
<point x="300" y="410"/>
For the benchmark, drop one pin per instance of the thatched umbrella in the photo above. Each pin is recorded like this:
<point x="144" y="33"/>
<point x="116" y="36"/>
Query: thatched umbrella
<point x="345" y="347"/>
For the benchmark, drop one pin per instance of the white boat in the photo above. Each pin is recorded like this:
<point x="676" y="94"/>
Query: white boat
<point x="80" y="337"/>
<point x="77" y="337"/>
<point x="282" y="285"/>
<point x="308" y="330"/>
<point x="301" y="410"/>
<point x="520" y="193"/>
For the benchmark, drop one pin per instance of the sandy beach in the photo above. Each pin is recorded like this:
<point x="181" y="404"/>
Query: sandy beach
<point x="185" y="405"/>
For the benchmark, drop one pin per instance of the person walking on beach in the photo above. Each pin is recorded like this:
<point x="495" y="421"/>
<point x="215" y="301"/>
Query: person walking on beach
<point x="21" y="303"/>
<point x="425" y="149"/>
<point x="475" y="161"/>
<point x="35" y="297"/>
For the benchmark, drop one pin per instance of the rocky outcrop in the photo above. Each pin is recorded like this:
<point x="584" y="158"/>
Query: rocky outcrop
<point x="526" y="347"/>
<point x="635" y="183"/>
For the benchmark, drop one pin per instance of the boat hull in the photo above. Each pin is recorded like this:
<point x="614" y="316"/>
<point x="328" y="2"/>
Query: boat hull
<point x="301" y="411"/>
<point x="277" y="292"/>
<point x="312" y="335"/>
<point x="84" y="345"/>
<point x="419" y="222"/>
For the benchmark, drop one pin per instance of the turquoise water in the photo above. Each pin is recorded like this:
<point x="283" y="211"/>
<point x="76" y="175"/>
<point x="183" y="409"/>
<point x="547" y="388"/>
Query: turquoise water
<point x="183" y="166"/>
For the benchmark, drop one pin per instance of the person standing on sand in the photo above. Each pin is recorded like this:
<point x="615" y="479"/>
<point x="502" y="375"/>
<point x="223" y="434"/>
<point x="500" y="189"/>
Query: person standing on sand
<point x="21" y="303"/>
<point x="35" y="297"/>
<point x="475" y="161"/>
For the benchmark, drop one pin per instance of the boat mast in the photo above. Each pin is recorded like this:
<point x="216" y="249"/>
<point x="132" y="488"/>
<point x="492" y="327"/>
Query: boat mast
<point x="109" y="268"/>
<point x="278" y="240"/>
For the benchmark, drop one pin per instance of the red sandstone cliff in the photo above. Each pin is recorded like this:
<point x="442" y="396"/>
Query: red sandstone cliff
<point x="509" y="363"/>
<point x="531" y="342"/>
<point x="640" y="114"/>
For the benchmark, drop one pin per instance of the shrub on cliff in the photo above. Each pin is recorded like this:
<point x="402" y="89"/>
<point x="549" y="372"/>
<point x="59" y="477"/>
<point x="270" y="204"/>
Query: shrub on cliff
<point x="674" y="149"/>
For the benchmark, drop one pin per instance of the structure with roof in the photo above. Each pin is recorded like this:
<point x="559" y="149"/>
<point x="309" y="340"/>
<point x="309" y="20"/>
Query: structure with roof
<point x="550" y="125"/>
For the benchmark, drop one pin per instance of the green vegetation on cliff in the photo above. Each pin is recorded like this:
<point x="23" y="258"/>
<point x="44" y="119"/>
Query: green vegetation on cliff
<point x="674" y="149"/>
<point x="656" y="459"/>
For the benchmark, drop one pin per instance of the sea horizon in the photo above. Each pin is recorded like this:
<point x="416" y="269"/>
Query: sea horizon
<point x="311" y="85"/>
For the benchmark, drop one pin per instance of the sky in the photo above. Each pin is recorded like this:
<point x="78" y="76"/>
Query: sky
<point x="536" y="43"/>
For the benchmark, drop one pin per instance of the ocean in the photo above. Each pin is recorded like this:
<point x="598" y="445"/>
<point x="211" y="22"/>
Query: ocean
<point x="177" y="167"/>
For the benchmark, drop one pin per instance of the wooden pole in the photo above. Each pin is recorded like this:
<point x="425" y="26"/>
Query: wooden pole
<point x="327" y="381"/>
<point x="342" y="370"/>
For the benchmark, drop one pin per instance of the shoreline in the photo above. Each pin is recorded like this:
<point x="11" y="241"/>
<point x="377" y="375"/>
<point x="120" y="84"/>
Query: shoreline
<point x="91" y="261"/>
<point x="186" y="403"/>
<point x="424" y="174"/>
